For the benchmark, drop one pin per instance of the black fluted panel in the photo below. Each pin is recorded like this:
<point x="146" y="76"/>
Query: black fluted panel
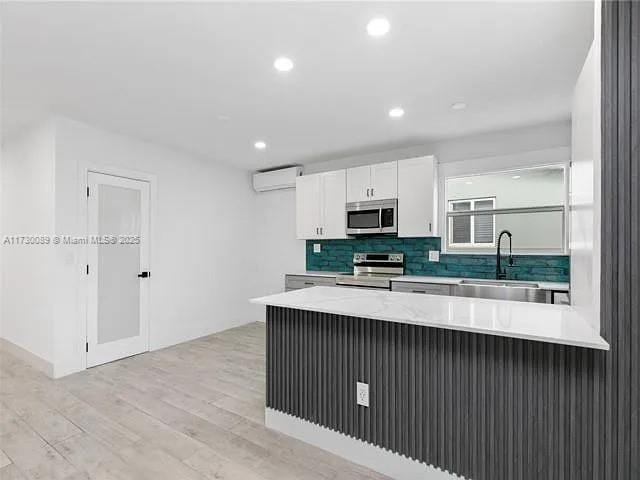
<point x="620" y="298"/>
<point x="481" y="406"/>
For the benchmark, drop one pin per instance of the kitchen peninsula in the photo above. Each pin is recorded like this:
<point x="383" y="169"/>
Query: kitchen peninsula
<point x="441" y="373"/>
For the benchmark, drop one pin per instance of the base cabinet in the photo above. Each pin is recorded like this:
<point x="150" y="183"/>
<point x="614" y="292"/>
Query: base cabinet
<point x="423" y="288"/>
<point x="296" y="282"/>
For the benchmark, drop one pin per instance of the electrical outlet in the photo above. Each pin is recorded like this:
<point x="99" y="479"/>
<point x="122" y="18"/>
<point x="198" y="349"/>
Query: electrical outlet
<point x="434" y="255"/>
<point x="316" y="248"/>
<point x="362" y="394"/>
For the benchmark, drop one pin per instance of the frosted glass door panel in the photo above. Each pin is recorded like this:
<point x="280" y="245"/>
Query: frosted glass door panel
<point x="118" y="264"/>
<point x="118" y="270"/>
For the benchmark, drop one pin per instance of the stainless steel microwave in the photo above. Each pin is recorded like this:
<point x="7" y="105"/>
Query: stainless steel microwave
<point x="376" y="216"/>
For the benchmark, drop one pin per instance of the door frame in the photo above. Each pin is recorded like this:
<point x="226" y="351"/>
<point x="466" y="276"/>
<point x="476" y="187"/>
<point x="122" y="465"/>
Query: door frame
<point x="135" y="344"/>
<point x="83" y="227"/>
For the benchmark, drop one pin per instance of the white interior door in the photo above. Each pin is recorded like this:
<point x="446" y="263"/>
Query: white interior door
<point x="118" y="228"/>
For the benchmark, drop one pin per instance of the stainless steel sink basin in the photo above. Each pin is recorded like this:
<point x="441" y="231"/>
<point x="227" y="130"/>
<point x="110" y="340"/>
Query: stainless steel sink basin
<point x="502" y="290"/>
<point x="500" y="283"/>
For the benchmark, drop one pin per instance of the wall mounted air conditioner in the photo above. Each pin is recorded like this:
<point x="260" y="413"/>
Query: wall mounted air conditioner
<point x="276" y="179"/>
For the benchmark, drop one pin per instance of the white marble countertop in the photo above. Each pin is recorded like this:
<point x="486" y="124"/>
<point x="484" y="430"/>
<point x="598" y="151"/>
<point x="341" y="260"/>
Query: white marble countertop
<point x="557" y="286"/>
<point x="531" y="321"/>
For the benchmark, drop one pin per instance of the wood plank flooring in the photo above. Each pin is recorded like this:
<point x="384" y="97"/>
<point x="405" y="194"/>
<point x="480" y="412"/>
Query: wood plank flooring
<point x="189" y="412"/>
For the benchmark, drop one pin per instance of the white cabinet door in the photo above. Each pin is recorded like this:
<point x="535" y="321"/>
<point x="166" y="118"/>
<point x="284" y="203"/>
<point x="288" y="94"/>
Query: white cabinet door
<point x="308" y="207"/>
<point x="384" y="181"/>
<point x="416" y="197"/>
<point x="334" y="197"/>
<point x="359" y="184"/>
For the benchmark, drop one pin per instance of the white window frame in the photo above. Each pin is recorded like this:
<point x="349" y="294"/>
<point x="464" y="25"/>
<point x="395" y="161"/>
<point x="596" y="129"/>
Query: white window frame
<point x="464" y="169"/>
<point x="473" y="243"/>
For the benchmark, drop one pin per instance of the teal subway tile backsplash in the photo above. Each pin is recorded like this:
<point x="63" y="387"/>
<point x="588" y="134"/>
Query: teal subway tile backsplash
<point x="337" y="255"/>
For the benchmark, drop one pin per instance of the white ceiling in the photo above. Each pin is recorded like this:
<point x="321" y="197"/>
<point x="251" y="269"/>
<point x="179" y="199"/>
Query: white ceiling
<point x="168" y="72"/>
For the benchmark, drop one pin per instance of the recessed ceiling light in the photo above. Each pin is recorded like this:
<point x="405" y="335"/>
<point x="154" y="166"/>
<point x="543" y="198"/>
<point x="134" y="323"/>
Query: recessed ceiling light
<point x="516" y="177"/>
<point x="377" y="27"/>
<point x="459" y="106"/>
<point x="396" y="112"/>
<point x="224" y="118"/>
<point x="260" y="145"/>
<point x="283" y="64"/>
<point x="468" y="183"/>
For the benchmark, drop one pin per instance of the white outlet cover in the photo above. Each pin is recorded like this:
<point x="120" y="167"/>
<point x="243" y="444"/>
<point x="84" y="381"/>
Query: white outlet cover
<point x="434" y="255"/>
<point x="362" y="394"/>
<point x="316" y="248"/>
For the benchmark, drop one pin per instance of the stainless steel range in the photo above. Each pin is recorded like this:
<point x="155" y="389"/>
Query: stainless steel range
<point x="373" y="270"/>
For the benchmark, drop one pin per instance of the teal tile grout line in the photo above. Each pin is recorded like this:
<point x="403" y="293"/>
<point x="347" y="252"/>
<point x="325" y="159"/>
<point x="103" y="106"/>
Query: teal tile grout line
<point x="337" y="255"/>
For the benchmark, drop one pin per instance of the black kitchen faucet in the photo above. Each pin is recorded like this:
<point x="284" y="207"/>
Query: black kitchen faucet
<point x="501" y="273"/>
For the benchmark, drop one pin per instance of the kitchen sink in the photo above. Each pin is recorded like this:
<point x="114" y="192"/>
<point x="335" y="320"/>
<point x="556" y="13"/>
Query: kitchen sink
<point x="500" y="283"/>
<point x="502" y="290"/>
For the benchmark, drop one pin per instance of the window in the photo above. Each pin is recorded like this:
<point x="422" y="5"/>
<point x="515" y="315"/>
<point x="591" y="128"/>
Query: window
<point x="531" y="203"/>
<point x="472" y="231"/>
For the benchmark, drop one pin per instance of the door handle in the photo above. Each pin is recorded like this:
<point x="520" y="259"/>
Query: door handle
<point x="144" y="274"/>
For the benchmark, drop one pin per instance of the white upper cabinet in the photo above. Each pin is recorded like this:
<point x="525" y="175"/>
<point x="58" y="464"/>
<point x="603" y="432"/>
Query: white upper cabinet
<point x="308" y="206"/>
<point x="320" y="205"/>
<point x="333" y="204"/>
<point x="321" y="198"/>
<point x="372" y="182"/>
<point x="417" y="197"/>
<point x="384" y="181"/>
<point x="358" y="184"/>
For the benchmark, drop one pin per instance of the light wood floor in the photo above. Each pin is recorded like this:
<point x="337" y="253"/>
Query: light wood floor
<point x="192" y="411"/>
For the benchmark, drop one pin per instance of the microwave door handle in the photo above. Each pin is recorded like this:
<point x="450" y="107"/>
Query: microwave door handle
<point x="380" y="218"/>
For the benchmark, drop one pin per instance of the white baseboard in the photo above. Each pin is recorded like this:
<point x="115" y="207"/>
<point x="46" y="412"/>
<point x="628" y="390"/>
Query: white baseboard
<point x="376" y="458"/>
<point x="26" y="356"/>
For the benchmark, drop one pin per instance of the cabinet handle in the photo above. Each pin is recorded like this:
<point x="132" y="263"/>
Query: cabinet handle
<point x="367" y="192"/>
<point x="429" y="226"/>
<point x="372" y="192"/>
<point x="317" y="231"/>
<point x="321" y="231"/>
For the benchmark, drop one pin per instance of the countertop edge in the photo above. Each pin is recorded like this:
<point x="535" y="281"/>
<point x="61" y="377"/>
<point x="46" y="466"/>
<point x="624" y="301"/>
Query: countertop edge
<point x="599" y="344"/>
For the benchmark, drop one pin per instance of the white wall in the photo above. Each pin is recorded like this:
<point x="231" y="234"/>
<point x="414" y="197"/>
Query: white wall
<point x="27" y="207"/>
<point x="203" y="239"/>
<point x="277" y="249"/>
<point x="585" y="186"/>
<point x="202" y="231"/>
<point x="488" y="145"/>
